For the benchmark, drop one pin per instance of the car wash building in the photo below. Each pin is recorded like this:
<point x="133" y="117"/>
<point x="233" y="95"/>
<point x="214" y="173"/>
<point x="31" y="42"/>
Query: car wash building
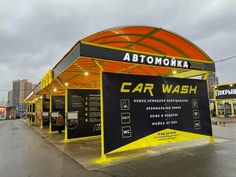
<point x="133" y="87"/>
<point x="225" y="100"/>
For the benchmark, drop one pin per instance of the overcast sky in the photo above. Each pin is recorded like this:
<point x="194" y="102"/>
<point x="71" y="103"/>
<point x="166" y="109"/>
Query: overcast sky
<point x="36" y="34"/>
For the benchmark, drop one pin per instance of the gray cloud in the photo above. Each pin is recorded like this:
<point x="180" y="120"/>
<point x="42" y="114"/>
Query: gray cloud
<point x="35" y="34"/>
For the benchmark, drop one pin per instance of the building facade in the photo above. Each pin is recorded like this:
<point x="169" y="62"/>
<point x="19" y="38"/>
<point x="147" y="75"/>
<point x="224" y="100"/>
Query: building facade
<point x="10" y="98"/>
<point x="212" y="82"/>
<point x="20" y="89"/>
<point x="225" y="100"/>
<point x="2" y="112"/>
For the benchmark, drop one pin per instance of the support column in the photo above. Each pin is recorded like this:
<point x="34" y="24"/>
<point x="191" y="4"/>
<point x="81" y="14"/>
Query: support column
<point x="29" y="112"/>
<point x="215" y="101"/>
<point x="103" y="156"/>
<point x="217" y="111"/>
<point x="26" y="113"/>
<point x="41" y="122"/>
<point x="232" y="107"/>
<point x="66" y="111"/>
<point x="50" y="113"/>
<point x="34" y="113"/>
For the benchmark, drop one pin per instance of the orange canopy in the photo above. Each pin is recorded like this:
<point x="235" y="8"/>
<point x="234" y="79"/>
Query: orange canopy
<point x="107" y="51"/>
<point x="149" y="39"/>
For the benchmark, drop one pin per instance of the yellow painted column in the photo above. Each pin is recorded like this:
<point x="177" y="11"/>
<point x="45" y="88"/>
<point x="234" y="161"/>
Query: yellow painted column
<point x="103" y="156"/>
<point x="66" y="111"/>
<point x="217" y="111"/>
<point x="205" y="77"/>
<point x="50" y="112"/>
<point x="215" y="100"/>
<point x="35" y="118"/>
<point x="234" y="102"/>
<point x="26" y="113"/>
<point x="41" y="123"/>
<point x="232" y="108"/>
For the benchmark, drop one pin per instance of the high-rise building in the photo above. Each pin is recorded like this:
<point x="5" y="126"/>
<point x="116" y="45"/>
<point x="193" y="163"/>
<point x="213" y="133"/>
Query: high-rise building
<point x="20" y="90"/>
<point x="10" y="98"/>
<point x="212" y="82"/>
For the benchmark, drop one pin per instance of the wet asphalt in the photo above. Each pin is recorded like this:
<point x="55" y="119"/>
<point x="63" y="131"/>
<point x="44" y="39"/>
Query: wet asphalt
<point x="24" y="153"/>
<point x="213" y="160"/>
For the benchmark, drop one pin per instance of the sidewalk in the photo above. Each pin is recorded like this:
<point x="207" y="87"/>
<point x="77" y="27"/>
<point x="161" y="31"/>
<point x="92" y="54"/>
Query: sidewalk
<point x="23" y="153"/>
<point x="222" y="120"/>
<point x="213" y="160"/>
<point x="87" y="152"/>
<point x="195" y="159"/>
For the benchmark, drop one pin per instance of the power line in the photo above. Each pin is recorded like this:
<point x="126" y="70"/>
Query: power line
<point x="225" y="59"/>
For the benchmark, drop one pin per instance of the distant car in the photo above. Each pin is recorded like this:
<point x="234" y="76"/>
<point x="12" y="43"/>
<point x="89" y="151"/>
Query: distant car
<point x="18" y="116"/>
<point x="23" y="116"/>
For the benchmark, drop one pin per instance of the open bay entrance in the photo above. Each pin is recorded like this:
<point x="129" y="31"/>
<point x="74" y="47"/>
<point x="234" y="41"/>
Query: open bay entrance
<point x="45" y="111"/>
<point x="57" y="111"/>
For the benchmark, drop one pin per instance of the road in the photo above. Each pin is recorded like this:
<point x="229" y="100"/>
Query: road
<point x="214" y="160"/>
<point x="23" y="153"/>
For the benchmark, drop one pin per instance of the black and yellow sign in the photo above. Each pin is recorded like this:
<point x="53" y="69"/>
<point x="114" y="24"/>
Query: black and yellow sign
<point x="83" y="117"/>
<point x="46" y="80"/>
<point x="225" y="92"/>
<point x="142" y="58"/>
<point x="142" y="111"/>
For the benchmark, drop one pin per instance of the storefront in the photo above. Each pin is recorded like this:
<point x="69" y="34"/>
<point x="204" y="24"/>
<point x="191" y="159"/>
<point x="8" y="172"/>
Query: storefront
<point x="3" y="112"/>
<point x="144" y="64"/>
<point x="225" y="100"/>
